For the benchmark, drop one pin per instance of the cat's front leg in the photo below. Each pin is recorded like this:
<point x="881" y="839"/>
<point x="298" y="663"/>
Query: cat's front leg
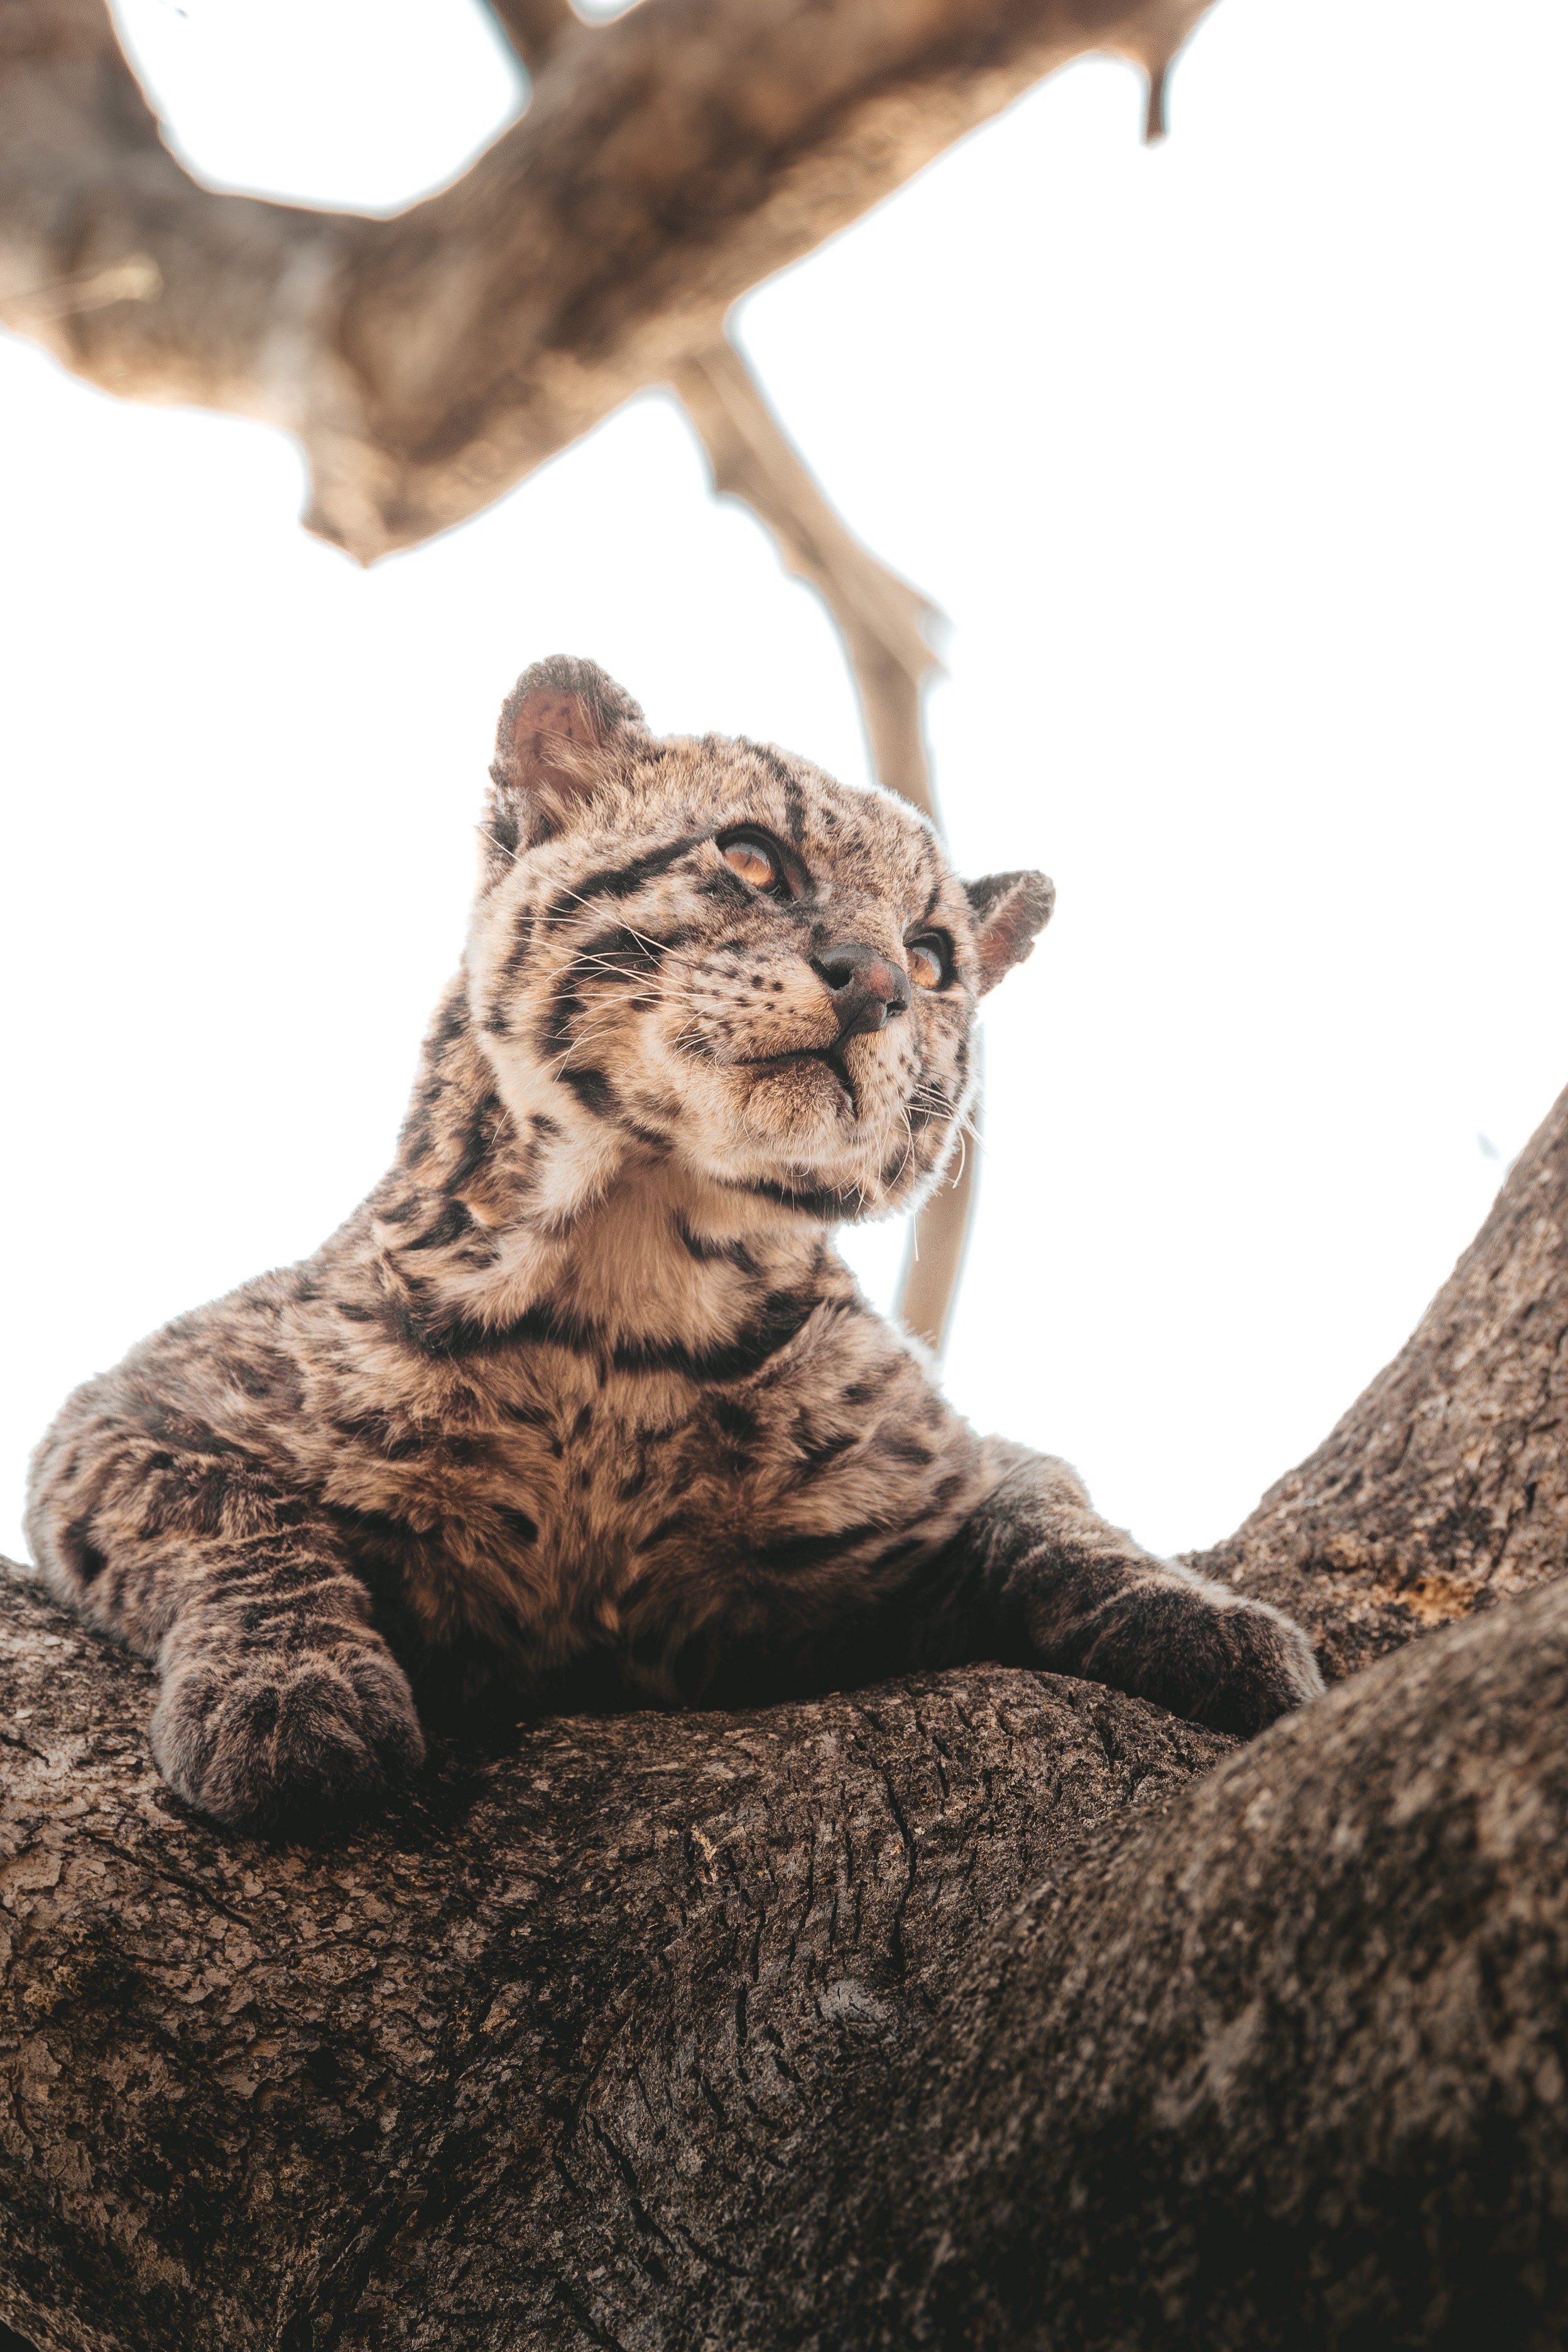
<point x="279" y="1698"/>
<point x="1038" y="1576"/>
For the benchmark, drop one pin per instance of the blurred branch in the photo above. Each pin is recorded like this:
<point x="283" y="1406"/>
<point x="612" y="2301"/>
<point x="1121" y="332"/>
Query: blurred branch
<point x="880" y="617"/>
<point x="935" y="1256"/>
<point x="686" y="149"/>
<point x="533" y="27"/>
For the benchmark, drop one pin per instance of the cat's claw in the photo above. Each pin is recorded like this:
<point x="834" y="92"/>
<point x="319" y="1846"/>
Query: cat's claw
<point x="274" y="1734"/>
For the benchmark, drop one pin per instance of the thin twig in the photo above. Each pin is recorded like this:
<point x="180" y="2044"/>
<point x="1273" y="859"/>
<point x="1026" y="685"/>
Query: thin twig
<point x="880" y="617"/>
<point x="882" y="621"/>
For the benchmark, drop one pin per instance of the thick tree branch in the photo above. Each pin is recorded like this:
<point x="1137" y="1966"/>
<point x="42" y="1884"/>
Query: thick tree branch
<point x="1283" y="2070"/>
<point x="1445" y="1487"/>
<point x="520" y="2064"/>
<point x="668" y="161"/>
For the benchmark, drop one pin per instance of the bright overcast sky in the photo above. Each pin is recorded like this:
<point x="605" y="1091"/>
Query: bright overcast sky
<point x="1237" y="466"/>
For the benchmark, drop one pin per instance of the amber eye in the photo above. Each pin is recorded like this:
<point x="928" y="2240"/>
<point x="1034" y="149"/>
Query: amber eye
<point x="752" y="860"/>
<point x="928" y="960"/>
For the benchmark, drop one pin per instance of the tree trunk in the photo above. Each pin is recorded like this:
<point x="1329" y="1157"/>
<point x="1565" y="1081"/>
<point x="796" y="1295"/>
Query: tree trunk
<point x="714" y="2030"/>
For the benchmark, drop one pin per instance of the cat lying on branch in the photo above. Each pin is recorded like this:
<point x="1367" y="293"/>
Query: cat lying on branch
<point x="582" y="1400"/>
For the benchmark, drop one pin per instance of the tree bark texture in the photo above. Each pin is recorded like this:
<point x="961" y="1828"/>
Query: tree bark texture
<point x="1445" y="1487"/>
<point x="1288" y="2070"/>
<point x="525" y="2062"/>
<point x="667" y="162"/>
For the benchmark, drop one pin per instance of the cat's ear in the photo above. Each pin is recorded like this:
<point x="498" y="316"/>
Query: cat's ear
<point x="557" y="725"/>
<point x="1010" y="911"/>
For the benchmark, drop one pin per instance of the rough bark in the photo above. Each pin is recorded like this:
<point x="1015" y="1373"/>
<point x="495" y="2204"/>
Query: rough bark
<point x="1288" y="2070"/>
<point x="1444" y="1489"/>
<point x="667" y="162"/>
<point x="525" y="2062"/>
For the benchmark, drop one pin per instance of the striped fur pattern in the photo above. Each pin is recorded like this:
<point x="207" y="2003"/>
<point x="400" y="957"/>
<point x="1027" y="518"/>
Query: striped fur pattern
<point x="582" y="1401"/>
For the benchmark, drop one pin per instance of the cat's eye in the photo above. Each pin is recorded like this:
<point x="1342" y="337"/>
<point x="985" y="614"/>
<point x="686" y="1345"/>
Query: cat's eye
<point x="754" y="859"/>
<point x="928" y="958"/>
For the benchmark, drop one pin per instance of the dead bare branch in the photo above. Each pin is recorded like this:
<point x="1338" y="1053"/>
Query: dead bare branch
<point x="882" y="622"/>
<point x="880" y="617"/>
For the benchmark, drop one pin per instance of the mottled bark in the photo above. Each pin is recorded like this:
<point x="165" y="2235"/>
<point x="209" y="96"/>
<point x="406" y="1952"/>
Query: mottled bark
<point x="1286" y="2071"/>
<point x="527" y="2061"/>
<point x="1445" y="1487"/>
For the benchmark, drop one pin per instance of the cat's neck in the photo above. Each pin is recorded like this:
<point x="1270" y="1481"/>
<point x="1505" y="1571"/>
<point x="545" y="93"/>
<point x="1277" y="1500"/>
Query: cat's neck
<point x="495" y="1214"/>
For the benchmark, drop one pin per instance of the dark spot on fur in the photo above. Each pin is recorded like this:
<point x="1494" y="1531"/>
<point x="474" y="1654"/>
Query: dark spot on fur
<point x="675" y="1525"/>
<point x="85" y="1557"/>
<point x="808" y="1551"/>
<point x="735" y="1419"/>
<point x="453" y="1222"/>
<point x="591" y="1088"/>
<point x="518" y="1524"/>
<point x="706" y="1252"/>
<point x="816" y="1457"/>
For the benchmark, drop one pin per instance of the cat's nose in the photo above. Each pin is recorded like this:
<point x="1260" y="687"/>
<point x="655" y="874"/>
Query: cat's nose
<point x="866" y="990"/>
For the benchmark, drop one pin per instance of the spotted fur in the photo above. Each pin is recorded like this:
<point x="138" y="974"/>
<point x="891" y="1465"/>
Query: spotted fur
<point x="582" y="1398"/>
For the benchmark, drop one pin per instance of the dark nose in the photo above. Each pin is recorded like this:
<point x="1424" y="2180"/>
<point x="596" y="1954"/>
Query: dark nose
<point x="867" y="988"/>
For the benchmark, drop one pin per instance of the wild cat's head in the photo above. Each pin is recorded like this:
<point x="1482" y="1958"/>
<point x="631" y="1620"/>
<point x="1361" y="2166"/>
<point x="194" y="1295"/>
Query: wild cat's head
<point x="709" y="949"/>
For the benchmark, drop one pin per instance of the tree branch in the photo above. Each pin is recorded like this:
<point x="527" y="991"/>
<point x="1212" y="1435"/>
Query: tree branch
<point x="527" y="2056"/>
<point x="535" y="27"/>
<point x="1282" y="2071"/>
<point x="428" y="362"/>
<point x="882" y="619"/>
<point x="1445" y="1487"/>
<point x="882" y="622"/>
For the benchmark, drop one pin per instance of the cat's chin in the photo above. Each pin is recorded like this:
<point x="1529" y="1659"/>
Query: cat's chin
<point x="814" y="1081"/>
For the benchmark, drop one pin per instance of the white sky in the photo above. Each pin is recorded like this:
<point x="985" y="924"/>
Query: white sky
<point x="1239" y="468"/>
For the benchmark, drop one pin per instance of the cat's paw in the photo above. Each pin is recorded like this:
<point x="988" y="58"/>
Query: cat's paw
<point x="1198" y="1649"/>
<point x="1255" y="1666"/>
<point x="269" y="1735"/>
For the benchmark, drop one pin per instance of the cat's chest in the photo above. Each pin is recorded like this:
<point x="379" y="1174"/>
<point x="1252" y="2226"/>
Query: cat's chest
<point x="599" y="1499"/>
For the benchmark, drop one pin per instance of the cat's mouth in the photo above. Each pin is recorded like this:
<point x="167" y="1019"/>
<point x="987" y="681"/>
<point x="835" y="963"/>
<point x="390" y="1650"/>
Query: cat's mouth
<point x="823" y="1057"/>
